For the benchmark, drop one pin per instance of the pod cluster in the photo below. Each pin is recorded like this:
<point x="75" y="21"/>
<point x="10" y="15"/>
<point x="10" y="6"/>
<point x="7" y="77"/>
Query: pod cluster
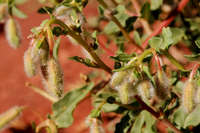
<point x="128" y="86"/>
<point x="38" y="59"/>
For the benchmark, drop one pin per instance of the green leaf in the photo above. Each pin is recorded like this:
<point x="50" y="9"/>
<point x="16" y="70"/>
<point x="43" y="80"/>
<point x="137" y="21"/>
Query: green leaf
<point x="85" y="61"/>
<point x="63" y="109"/>
<point x="144" y="123"/>
<point x="177" y="34"/>
<point x="156" y="42"/>
<point x="178" y="117"/>
<point x="18" y="13"/>
<point x="155" y="4"/>
<point x="193" y="119"/>
<point x="55" y="48"/>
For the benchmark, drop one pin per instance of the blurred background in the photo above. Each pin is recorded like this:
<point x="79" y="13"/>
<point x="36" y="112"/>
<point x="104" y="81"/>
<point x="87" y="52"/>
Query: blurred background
<point x="12" y="77"/>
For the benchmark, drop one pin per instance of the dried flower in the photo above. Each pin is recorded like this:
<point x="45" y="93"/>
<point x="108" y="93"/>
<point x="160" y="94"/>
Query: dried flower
<point x="9" y="116"/>
<point x="162" y="85"/>
<point x="54" y="82"/>
<point x="13" y="34"/>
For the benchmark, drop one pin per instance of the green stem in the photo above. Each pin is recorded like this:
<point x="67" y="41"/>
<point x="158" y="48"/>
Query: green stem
<point x="83" y="43"/>
<point x="115" y="20"/>
<point x="143" y="55"/>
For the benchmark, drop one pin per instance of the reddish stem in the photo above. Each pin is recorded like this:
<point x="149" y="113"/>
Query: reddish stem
<point x="166" y="22"/>
<point x="194" y="70"/>
<point x="157" y="60"/>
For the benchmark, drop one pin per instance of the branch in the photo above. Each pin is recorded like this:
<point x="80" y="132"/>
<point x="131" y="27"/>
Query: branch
<point x="83" y="43"/>
<point x="115" y="20"/>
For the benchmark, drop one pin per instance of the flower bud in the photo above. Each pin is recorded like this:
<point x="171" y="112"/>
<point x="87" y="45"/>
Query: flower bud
<point x="95" y="125"/>
<point x="54" y="82"/>
<point x="188" y="96"/>
<point x="29" y="63"/>
<point x="145" y="90"/>
<point x="3" y="12"/>
<point x="47" y="124"/>
<point x="13" y="34"/>
<point x="9" y="116"/>
<point x="162" y="85"/>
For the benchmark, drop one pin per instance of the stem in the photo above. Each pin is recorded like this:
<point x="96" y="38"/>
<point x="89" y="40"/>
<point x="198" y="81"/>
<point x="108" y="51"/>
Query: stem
<point x="41" y="92"/>
<point x="157" y="115"/>
<point x="115" y="20"/>
<point x="157" y="60"/>
<point x="194" y="70"/>
<point x="83" y="43"/>
<point x="143" y="55"/>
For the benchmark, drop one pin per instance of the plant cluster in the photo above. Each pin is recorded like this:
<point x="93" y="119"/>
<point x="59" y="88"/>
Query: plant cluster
<point x="147" y="86"/>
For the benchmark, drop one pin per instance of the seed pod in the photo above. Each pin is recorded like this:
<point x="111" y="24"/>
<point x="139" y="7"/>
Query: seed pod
<point x="95" y="125"/>
<point x="29" y="63"/>
<point x="162" y="85"/>
<point x="44" y="53"/>
<point x="9" y="116"/>
<point x="118" y="78"/>
<point x="13" y="34"/>
<point x="54" y="82"/>
<point x="126" y="92"/>
<point x="69" y="16"/>
<point x="3" y="12"/>
<point x="145" y="90"/>
<point x="188" y="96"/>
<point x="47" y="123"/>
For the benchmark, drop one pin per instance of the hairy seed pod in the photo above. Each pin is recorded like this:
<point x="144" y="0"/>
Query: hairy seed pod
<point x="117" y="78"/>
<point x="29" y="63"/>
<point x="54" y="82"/>
<point x="145" y="90"/>
<point x="188" y="96"/>
<point x="47" y="123"/>
<point x="3" y="12"/>
<point x="162" y="85"/>
<point x="125" y="91"/>
<point x="44" y="53"/>
<point x="69" y="16"/>
<point x="9" y="116"/>
<point x="13" y="34"/>
<point x="95" y="125"/>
